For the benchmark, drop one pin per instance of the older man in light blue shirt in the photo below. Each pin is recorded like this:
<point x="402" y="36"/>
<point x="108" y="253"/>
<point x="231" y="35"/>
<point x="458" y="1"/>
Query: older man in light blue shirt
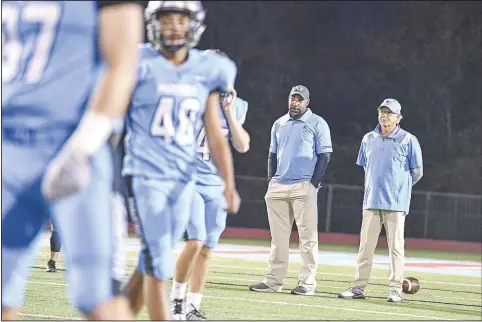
<point x="299" y="156"/>
<point x="392" y="160"/>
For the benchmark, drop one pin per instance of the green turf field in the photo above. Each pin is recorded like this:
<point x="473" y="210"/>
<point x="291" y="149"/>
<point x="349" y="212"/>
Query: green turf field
<point x="227" y="296"/>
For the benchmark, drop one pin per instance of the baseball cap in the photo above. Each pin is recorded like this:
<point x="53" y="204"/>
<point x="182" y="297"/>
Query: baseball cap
<point x="391" y="104"/>
<point x="301" y="90"/>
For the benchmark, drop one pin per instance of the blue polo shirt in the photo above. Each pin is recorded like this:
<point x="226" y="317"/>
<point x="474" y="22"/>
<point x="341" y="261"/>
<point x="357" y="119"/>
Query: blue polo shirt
<point x="296" y="144"/>
<point x="388" y="161"/>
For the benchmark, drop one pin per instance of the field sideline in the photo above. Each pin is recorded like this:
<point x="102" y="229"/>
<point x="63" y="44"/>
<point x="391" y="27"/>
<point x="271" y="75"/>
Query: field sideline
<point x="447" y="293"/>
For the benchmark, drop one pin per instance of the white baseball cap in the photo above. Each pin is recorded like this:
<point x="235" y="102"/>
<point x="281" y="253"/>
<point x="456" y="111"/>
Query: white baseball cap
<point x="391" y="104"/>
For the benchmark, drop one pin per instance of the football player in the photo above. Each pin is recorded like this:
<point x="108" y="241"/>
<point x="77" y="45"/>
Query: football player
<point x="55" y="126"/>
<point x="207" y="220"/>
<point x="208" y="214"/>
<point x="177" y="87"/>
<point x="55" y="245"/>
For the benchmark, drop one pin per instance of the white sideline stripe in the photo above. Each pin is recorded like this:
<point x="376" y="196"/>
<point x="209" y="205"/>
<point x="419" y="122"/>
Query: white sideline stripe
<point x="286" y="303"/>
<point x="49" y="316"/>
<point x="338" y="288"/>
<point x="319" y="273"/>
<point x="328" y="307"/>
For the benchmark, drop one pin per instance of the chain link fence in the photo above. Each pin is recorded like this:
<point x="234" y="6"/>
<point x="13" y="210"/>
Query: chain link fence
<point x="433" y="215"/>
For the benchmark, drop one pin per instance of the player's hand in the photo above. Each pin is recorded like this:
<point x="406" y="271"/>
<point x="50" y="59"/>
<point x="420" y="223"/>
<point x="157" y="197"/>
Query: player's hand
<point x="228" y="100"/>
<point x="67" y="173"/>
<point x="233" y="200"/>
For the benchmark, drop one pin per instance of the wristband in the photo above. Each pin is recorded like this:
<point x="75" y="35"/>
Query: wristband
<point x="93" y="131"/>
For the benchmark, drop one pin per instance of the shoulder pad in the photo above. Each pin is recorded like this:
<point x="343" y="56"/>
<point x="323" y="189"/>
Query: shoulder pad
<point x="224" y="70"/>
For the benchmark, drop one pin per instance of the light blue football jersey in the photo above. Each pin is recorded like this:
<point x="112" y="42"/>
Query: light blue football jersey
<point x="49" y="60"/>
<point x="166" y="107"/>
<point x="207" y="173"/>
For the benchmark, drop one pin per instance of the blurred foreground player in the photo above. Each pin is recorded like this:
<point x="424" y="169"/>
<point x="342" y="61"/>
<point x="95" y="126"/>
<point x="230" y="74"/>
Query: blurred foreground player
<point x="177" y="87"/>
<point x="55" y="126"/>
<point x="119" y="223"/>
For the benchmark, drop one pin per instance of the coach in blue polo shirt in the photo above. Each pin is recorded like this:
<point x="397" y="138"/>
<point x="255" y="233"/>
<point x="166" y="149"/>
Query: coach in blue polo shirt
<point x="392" y="160"/>
<point x="298" y="157"/>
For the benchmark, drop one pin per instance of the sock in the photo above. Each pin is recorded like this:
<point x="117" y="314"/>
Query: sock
<point x="55" y="243"/>
<point x="194" y="299"/>
<point x="178" y="290"/>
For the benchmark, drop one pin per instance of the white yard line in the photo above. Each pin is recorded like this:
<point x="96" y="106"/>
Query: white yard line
<point x="328" y="307"/>
<point x="273" y="302"/>
<point x="56" y="317"/>
<point x="48" y="283"/>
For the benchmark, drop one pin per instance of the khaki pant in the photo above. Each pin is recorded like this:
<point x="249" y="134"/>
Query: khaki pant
<point x="394" y="222"/>
<point x="285" y="203"/>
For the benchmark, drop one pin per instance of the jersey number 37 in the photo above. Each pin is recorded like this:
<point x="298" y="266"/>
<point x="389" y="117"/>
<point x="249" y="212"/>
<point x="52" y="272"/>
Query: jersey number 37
<point x="44" y="14"/>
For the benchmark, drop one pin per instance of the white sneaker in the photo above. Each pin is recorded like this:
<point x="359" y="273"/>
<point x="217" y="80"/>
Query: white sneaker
<point x="395" y="297"/>
<point x="194" y="314"/>
<point x="355" y="293"/>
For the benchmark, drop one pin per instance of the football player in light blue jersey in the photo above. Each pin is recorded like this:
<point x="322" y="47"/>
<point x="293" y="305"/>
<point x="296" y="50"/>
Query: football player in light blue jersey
<point x="177" y="87"/>
<point x="208" y="214"/>
<point x="55" y="126"/>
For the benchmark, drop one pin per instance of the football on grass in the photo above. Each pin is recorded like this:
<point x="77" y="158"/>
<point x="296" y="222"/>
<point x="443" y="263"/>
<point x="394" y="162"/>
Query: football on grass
<point x="411" y="285"/>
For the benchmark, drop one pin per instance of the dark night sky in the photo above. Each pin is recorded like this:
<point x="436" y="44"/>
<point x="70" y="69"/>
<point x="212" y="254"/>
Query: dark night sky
<point x="352" y="55"/>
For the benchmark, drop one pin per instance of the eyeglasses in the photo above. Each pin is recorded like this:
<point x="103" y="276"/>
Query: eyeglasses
<point x="388" y="113"/>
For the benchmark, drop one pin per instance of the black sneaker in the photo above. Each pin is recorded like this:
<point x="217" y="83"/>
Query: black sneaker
<point x="262" y="287"/>
<point x="178" y="309"/>
<point x="303" y="290"/>
<point x="51" y="266"/>
<point x="194" y="314"/>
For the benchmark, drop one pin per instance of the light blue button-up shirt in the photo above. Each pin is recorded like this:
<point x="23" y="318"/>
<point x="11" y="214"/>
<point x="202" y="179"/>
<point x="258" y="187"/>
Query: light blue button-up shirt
<point x="296" y="143"/>
<point x="388" y="162"/>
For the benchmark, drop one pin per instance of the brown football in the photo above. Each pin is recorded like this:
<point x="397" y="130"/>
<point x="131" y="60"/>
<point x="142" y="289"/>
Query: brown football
<point x="410" y="285"/>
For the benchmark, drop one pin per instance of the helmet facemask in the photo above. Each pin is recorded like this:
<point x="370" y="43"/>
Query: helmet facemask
<point x="196" y="23"/>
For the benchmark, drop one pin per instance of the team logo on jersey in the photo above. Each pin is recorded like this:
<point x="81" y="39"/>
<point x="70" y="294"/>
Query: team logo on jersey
<point x="177" y="89"/>
<point x="200" y="78"/>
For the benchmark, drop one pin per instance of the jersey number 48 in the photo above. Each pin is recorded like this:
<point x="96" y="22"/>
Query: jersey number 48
<point x="176" y="123"/>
